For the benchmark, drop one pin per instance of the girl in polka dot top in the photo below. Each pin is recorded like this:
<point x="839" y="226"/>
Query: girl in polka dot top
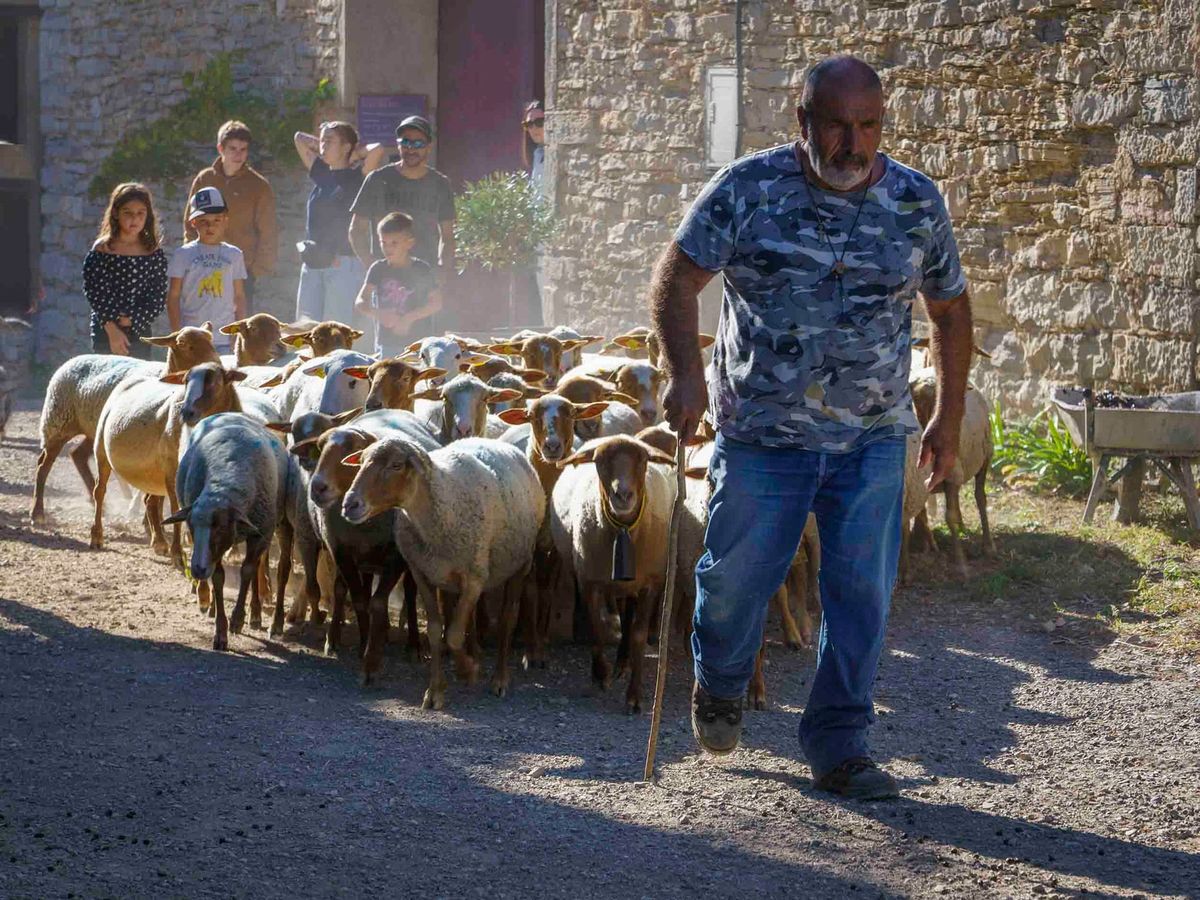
<point x="125" y="274"/>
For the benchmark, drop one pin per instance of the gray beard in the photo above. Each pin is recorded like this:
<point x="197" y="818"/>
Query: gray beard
<point x="840" y="179"/>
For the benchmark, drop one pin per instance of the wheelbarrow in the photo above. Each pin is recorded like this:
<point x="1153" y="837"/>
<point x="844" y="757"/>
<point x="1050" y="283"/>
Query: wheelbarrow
<point x="1163" y="431"/>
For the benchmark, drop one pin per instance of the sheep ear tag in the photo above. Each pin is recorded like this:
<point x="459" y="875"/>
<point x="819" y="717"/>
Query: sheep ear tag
<point x="623" y="558"/>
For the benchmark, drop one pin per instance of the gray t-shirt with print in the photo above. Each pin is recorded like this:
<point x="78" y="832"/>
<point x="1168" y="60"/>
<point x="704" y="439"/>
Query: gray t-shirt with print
<point x="208" y="272"/>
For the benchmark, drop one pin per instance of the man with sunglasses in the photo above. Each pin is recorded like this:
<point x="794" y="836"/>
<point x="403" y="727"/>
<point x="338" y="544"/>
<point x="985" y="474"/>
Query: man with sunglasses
<point x="413" y="187"/>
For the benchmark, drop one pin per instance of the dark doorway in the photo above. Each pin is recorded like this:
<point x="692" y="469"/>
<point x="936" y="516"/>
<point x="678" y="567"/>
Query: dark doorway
<point x="490" y="64"/>
<point x="15" y="274"/>
<point x="10" y="79"/>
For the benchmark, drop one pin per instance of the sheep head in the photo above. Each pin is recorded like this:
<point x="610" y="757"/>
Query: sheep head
<point x="552" y="422"/>
<point x="257" y="340"/>
<point x="187" y="347"/>
<point x="621" y="463"/>
<point x="214" y="529"/>
<point x="207" y="389"/>
<point x="390" y="473"/>
<point x="325" y="337"/>
<point x="391" y="382"/>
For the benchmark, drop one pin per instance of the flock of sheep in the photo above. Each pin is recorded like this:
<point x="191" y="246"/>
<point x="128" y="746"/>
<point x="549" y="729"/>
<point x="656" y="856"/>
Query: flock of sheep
<point x="491" y="481"/>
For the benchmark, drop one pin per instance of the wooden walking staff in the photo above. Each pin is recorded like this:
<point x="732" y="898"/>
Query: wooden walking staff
<point x="668" y="603"/>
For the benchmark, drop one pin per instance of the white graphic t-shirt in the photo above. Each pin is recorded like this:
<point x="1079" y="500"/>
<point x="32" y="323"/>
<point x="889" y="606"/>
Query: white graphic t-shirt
<point x="208" y="272"/>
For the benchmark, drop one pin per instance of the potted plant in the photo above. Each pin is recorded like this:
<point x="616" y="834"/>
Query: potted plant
<point x="500" y="222"/>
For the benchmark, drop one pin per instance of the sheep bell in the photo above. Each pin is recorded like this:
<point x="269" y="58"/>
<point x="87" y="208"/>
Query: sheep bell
<point x="624" y="561"/>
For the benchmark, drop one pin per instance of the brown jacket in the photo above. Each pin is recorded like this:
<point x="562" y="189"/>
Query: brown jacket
<point x="251" y="205"/>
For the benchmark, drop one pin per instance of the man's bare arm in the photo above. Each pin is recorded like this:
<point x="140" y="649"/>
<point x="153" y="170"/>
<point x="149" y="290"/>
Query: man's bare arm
<point x="360" y="238"/>
<point x="951" y="346"/>
<point x="675" y="318"/>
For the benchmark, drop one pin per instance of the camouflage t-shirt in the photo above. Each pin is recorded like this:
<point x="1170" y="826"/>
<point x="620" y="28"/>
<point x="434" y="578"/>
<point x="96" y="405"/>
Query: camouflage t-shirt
<point x="801" y="361"/>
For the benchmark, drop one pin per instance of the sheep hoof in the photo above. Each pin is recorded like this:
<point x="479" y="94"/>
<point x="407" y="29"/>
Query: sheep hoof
<point x="97" y="540"/>
<point x="161" y="548"/>
<point x="433" y="699"/>
<point x="276" y="629"/>
<point x="221" y="642"/>
<point x="37" y="517"/>
<point x="330" y="649"/>
<point x="756" y="701"/>
<point x="499" y="687"/>
<point x="633" y="706"/>
<point x="256" y="623"/>
<point x="318" y="617"/>
<point x="236" y="623"/>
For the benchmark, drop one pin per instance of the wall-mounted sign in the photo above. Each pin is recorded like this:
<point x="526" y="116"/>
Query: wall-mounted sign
<point x="379" y="114"/>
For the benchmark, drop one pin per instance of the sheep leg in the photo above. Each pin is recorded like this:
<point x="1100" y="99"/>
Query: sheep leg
<point x="152" y="518"/>
<point x="413" y="648"/>
<point x="530" y="616"/>
<point x="547" y="572"/>
<point x="464" y="610"/>
<point x="80" y="456"/>
<point x="333" y="634"/>
<point x="262" y="588"/>
<point x="204" y="597"/>
<point x="247" y="583"/>
<point x="954" y="523"/>
<point x="45" y="461"/>
<point x="515" y="590"/>
<point x="378" y="613"/>
<point x="625" y="613"/>
<point x="989" y="546"/>
<point x="103" y="472"/>
<point x="326" y="581"/>
<point x="601" y="672"/>
<point x="176" y="529"/>
<point x="782" y="599"/>
<point x="756" y="695"/>
<point x="435" y="694"/>
<point x="221" y="635"/>
<point x="806" y="586"/>
<point x="282" y="572"/>
<point x="640" y="627"/>
<point x="906" y="538"/>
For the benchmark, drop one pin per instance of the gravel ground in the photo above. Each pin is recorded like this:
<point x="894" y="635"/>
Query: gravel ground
<point x="135" y="762"/>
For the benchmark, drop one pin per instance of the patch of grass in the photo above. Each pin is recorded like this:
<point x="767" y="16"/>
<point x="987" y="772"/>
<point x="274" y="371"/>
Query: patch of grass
<point x="1039" y="454"/>
<point x="1104" y="579"/>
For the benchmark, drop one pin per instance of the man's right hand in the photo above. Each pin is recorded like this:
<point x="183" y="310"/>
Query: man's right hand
<point x="685" y="402"/>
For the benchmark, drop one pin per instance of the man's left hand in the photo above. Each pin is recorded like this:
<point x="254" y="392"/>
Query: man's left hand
<point x="939" y="447"/>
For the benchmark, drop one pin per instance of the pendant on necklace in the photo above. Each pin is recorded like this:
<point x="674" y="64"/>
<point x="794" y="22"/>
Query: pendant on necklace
<point x="839" y="268"/>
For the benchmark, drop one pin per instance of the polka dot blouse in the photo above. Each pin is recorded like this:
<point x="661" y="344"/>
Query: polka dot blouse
<point x="134" y="286"/>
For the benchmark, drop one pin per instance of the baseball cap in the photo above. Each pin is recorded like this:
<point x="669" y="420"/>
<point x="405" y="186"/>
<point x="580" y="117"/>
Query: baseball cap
<point x="204" y="201"/>
<point x="418" y="122"/>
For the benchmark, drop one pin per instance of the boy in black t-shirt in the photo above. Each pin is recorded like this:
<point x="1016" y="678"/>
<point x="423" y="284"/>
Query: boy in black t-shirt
<point x="400" y="291"/>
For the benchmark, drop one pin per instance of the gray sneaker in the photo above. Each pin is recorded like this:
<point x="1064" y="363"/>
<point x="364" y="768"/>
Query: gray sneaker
<point x="716" y="723"/>
<point x="858" y="779"/>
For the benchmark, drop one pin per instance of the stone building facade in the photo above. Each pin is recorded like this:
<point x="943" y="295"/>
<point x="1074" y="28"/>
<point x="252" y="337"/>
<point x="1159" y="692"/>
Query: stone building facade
<point x="1064" y="135"/>
<point x="106" y="67"/>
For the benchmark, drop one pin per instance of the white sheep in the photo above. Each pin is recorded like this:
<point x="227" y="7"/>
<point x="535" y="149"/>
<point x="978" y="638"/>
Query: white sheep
<point x="233" y="484"/>
<point x="323" y="385"/>
<point x="468" y="520"/>
<point x="139" y="433"/>
<point x="79" y="388"/>
<point x="974" y="457"/>
<point x="573" y="357"/>
<point x="463" y="410"/>
<point x="614" y="501"/>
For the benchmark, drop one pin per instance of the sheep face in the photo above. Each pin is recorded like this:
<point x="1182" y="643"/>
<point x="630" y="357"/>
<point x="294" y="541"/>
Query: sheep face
<point x="552" y="423"/>
<point x="465" y="402"/>
<point x="589" y="389"/>
<point x="332" y="477"/>
<point x="340" y="391"/>
<point x="621" y="470"/>
<point x="539" y="353"/>
<point x="257" y="340"/>
<point x="325" y="338"/>
<point x="643" y="382"/>
<point x="660" y="438"/>
<point x="207" y="388"/>
<point x="391" y="383"/>
<point x="445" y="353"/>
<point x="187" y="347"/>
<point x="306" y="429"/>
<point x="213" y="531"/>
<point x="390" y="472"/>
<point x="573" y="356"/>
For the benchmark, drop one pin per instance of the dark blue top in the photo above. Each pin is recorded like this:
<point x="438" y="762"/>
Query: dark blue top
<point x="329" y="206"/>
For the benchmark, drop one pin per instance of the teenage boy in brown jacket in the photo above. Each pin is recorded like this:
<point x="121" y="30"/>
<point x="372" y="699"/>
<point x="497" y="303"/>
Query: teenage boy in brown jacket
<point x="250" y="200"/>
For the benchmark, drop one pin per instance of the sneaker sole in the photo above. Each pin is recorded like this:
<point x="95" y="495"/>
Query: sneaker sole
<point x="713" y="751"/>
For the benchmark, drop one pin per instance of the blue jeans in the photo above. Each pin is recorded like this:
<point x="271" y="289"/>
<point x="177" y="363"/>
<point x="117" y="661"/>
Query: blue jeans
<point x="329" y="294"/>
<point x="761" y="498"/>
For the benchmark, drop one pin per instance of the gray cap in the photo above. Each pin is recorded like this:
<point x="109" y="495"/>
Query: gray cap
<point x="418" y="122"/>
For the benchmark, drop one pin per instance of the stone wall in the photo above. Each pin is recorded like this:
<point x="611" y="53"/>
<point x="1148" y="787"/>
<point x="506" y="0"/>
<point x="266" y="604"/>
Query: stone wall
<point x="1065" y="136"/>
<point x="106" y="67"/>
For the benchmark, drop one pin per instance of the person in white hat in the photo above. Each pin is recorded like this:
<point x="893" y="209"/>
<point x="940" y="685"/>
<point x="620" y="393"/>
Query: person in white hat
<point x="208" y="276"/>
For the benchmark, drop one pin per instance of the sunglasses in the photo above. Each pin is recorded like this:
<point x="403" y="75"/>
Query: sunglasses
<point x="414" y="143"/>
<point x="535" y="123"/>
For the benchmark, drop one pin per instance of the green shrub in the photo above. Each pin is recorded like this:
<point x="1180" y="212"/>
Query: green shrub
<point x="500" y="221"/>
<point x="164" y="151"/>
<point x="1039" y="454"/>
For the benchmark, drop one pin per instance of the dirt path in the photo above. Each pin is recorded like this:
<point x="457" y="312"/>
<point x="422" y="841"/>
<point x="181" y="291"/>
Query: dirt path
<point x="134" y="762"/>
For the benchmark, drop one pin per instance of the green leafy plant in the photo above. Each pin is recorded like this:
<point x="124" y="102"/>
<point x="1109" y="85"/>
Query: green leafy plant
<point x="1039" y="454"/>
<point x="166" y="151"/>
<point x="500" y="222"/>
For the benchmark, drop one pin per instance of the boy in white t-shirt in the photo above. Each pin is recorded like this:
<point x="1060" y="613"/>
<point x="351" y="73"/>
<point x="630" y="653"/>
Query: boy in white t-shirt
<point x="208" y="276"/>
